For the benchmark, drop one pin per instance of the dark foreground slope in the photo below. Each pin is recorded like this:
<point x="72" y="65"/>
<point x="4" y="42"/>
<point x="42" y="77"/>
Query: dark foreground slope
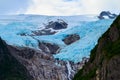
<point x="23" y="63"/>
<point x="104" y="63"/>
<point x="10" y="68"/>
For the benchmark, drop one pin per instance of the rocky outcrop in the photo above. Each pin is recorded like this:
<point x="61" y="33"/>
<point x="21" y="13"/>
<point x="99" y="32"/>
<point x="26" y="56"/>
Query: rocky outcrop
<point x="10" y="68"/>
<point x="49" y="48"/>
<point x="57" y="25"/>
<point x="104" y="60"/>
<point x="43" y="32"/>
<point x="107" y="14"/>
<point x="71" y="38"/>
<point x="50" y="28"/>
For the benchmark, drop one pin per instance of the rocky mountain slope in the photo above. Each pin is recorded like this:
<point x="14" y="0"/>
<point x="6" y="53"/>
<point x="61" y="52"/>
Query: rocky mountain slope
<point x="10" y="68"/>
<point x="23" y="63"/>
<point x="104" y="63"/>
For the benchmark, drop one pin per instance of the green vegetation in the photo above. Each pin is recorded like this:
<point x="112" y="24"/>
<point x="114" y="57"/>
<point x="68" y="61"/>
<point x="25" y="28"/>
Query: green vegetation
<point x="112" y="49"/>
<point x="93" y="54"/>
<point x="90" y="75"/>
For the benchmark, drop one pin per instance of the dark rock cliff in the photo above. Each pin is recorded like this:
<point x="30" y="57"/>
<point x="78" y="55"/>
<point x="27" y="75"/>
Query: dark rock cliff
<point x="10" y="68"/>
<point x="104" y="63"/>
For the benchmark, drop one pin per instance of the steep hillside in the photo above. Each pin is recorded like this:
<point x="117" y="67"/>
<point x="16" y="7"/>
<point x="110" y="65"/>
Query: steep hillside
<point x="10" y="68"/>
<point x="104" y="63"/>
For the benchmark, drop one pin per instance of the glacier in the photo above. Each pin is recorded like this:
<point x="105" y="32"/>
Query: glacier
<point x="88" y="27"/>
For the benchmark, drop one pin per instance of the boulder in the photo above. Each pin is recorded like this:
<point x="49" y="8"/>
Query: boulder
<point x="71" y="38"/>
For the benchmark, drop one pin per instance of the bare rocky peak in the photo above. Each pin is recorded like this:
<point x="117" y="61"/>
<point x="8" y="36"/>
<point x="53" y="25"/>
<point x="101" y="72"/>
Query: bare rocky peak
<point x="107" y="15"/>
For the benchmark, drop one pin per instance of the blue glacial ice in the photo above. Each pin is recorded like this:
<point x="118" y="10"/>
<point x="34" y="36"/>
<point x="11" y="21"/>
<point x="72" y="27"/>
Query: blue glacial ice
<point x="89" y="28"/>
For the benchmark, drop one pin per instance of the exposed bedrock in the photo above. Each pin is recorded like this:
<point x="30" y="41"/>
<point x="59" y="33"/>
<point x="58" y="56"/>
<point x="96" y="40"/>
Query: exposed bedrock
<point x="57" y="25"/>
<point x="51" y="28"/>
<point x="49" y="48"/>
<point x="107" y="14"/>
<point x="71" y="39"/>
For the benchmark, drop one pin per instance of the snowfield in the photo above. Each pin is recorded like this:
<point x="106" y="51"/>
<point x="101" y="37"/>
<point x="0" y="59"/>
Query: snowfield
<point x="88" y="27"/>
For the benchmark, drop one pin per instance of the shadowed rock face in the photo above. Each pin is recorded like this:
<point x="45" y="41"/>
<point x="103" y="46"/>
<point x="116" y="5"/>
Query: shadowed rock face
<point x="57" y="25"/>
<point x="71" y="38"/>
<point x="48" y="47"/>
<point x="104" y="60"/>
<point x="105" y="14"/>
<point x="10" y="68"/>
